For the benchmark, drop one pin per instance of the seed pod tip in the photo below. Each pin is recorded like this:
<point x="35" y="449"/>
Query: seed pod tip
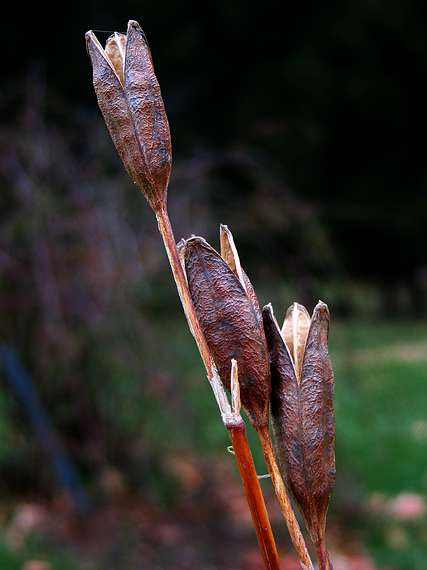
<point x="129" y="97"/>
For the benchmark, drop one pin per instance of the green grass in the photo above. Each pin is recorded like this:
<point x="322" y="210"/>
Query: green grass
<point x="377" y="407"/>
<point x="381" y="398"/>
<point x="36" y="549"/>
<point x="350" y="335"/>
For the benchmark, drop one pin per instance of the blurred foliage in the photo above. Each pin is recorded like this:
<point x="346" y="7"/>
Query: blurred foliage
<point x="41" y="557"/>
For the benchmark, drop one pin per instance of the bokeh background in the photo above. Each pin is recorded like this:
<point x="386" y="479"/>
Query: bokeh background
<point x="300" y="125"/>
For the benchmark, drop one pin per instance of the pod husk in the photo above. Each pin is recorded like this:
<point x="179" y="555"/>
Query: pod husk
<point x="147" y="108"/>
<point x="231" y="325"/>
<point x="303" y="418"/>
<point x="130" y="100"/>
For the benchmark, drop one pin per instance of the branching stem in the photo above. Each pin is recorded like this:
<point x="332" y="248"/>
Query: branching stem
<point x="237" y="431"/>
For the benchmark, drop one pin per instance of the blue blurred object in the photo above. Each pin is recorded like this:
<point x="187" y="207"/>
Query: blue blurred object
<point x="25" y="392"/>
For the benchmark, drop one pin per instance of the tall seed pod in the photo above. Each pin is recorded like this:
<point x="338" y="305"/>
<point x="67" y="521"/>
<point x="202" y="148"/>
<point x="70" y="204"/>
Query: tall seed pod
<point x="230" y="318"/>
<point x="129" y="97"/>
<point x="302" y="412"/>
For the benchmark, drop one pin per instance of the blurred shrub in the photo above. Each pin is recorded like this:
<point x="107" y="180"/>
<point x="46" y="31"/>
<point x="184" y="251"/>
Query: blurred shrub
<point x="86" y="297"/>
<point x="87" y="300"/>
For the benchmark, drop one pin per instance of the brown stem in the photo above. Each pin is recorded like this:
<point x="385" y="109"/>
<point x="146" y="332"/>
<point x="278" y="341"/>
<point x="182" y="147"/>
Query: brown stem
<point x="323" y="556"/>
<point x="166" y="231"/>
<point x="237" y="433"/>
<point x="254" y="496"/>
<point x="283" y="498"/>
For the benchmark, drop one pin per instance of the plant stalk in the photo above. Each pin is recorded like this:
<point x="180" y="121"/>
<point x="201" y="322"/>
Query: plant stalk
<point x="166" y="232"/>
<point x="284" y="501"/>
<point x="254" y="496"/>
<point x="237" y="432"/>
<point x="322" y="555"/>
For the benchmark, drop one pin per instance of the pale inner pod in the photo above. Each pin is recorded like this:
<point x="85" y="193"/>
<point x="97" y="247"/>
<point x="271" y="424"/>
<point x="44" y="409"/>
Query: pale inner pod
<point x="115" y="49"/>
<point x="295" y="331"/>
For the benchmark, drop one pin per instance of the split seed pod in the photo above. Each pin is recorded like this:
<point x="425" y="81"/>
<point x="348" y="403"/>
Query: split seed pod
<point x="302" y="409"/>
<point x="230" y="318"/>
<point x="129" y="97"/>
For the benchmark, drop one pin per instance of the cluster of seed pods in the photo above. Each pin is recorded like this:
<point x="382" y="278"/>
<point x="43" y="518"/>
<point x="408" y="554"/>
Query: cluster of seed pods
<point x="285" y="374"/>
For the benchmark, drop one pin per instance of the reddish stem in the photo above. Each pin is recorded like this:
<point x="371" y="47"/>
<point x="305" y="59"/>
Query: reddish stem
<point x="254" y="496"/>
<point x="237" y="432"/>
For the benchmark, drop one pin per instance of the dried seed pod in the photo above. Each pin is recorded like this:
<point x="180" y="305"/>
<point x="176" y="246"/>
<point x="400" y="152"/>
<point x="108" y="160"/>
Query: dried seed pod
<point x="147" y="109"/>
<point x="302" y="410"/>
<point x="129" y="97"/>
<point x="231" y="324"/>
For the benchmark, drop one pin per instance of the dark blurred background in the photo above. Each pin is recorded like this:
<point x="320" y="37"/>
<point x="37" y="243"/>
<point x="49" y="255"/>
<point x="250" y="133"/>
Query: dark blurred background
<point x="301" y="126"/>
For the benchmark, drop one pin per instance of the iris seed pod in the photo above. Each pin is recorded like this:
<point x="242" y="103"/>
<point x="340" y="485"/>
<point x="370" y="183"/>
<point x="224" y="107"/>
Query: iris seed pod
<point x="230" y="318"/>
<point x="302" y="409"/>
<point x="129" y="97"/>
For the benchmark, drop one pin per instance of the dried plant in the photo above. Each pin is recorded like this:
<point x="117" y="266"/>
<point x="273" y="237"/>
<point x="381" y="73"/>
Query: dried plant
<point x="302" y="412"/>
<point x="241" y="348"/>
<point x="130" y="100"/>
<point x="228" y="311"/>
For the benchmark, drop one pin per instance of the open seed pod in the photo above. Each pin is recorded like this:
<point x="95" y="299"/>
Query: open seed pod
<point x="230" y="318"/>
<point x="129" y="97"/>
<point x="302" y="409"/>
